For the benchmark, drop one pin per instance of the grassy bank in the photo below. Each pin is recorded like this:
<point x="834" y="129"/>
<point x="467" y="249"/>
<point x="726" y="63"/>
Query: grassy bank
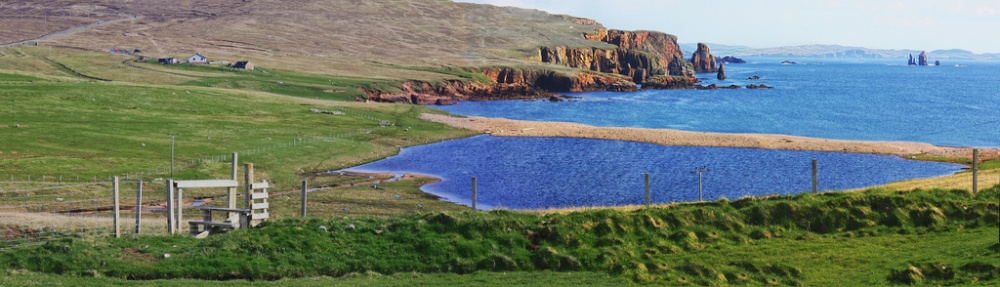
<point x="869" y="238"/>
<point x="56" y="126"/>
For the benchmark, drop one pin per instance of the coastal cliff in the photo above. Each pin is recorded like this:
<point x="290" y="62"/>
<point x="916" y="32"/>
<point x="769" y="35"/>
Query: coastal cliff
<point x="651" y="59"/>
<point x="506" y="84"/>
<point x="638" y="55"/>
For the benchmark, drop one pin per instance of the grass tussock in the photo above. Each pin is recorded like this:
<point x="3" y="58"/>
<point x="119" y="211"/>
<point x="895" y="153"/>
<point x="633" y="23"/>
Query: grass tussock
<point x="677" y="245"/>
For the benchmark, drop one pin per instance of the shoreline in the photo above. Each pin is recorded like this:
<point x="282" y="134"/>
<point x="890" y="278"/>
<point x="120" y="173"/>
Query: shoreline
<point x="670" y="137"/>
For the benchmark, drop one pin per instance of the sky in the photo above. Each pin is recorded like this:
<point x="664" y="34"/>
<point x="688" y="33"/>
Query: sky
<point x="878" y="24"/>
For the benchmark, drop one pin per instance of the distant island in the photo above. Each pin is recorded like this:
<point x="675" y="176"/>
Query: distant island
<point x="838" y="51"/>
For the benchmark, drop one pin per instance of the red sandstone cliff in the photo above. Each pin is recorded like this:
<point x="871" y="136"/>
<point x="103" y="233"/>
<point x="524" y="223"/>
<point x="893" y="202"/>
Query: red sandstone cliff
<point x="639" y="55"/>
<point x="507" y="84"/>
<point x="646" y="57"/>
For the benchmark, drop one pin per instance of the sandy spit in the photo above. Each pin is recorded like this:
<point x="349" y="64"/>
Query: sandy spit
<point x="520" y="128"/>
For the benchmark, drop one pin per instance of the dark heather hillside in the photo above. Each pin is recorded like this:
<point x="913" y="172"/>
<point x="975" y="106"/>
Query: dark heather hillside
<point x="534" y="51"/>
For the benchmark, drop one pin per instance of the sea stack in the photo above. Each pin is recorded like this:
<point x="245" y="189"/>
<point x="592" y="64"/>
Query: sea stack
<point x="722" y="72"/>
<point x="912" y="62"/>
<point x="922" y="58"/>
<point x="703" y="60"/>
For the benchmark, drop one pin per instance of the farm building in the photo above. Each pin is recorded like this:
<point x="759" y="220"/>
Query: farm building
<point x="168" y="61"/>
<point x="197" y="59"/>
<point x="246" y="65"/>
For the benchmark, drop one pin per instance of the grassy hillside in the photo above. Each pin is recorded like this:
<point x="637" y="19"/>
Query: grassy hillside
<point x="57" y="120"/>
<point x="872" y="238"/>
<point x="426" y="32"/>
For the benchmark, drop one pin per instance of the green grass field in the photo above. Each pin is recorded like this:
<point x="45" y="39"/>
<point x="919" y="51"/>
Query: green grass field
<point x="867" y="238"/>
<point x="95" y="129"/>
<point x="57" y="120"/>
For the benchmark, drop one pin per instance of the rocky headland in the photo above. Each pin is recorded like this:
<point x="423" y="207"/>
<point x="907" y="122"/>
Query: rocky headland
<point x="647" y="58"/>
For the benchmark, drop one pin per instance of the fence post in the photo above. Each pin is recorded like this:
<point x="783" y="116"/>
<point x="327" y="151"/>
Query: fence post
<point x="138" y="207"/>
<point x="303" y="198"/>
<point x="114" y="187"/>
<point x="232" y="190"/>
<point x="180" y="209"/>
<point x="248" y="182"/>
<point x="647" y="189"/>
<point x="815" y="177"/>
<point x="975" y="170"/>
<point x="170" y="207"/>
<point x="473" y="193"/>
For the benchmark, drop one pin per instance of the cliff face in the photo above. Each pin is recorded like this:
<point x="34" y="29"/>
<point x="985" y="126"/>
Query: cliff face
<point x="633" y="64"/>
<point x="638" y="55"/>
<point x="509" y="84"/>
<point x="663" y="82"/>
<point x="703" y="60"/>
<point x="650" y="58"/>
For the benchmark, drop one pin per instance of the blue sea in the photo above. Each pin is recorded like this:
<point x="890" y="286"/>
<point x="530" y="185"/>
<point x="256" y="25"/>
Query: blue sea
<point x="946" y="105"/>
<point x="956" y="104"/>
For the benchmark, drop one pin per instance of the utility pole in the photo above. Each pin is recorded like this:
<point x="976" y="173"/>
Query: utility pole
<point x="700" y="170"/>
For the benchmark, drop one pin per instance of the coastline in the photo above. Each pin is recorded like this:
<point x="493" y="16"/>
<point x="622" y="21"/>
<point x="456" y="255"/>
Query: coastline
<point x="670" y="137"/>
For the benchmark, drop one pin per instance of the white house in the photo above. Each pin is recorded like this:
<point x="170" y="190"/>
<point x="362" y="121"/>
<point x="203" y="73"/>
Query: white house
<point x="197" y="59"/>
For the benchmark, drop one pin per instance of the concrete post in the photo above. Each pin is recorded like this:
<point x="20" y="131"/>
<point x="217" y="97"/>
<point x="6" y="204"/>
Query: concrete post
<point x="180" y="207"/>
<point x="170" y="207"/>
<point x="138" y="207"/>
<point x="114" y="187"/>
<point x="303" y="198"/>
<point x="473" y="193"/>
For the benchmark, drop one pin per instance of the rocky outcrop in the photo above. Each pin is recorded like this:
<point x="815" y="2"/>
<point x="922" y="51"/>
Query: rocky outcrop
<point x="664" y="82"/>
<point x="761" y="86"/>
<point x="732" y="60"/>
<point x="911" y="62"/>
<point x="722" y="72"/>
<point x="703" y="60"/>
<point x="508" y="84"/>
<point x="922" y="58"/>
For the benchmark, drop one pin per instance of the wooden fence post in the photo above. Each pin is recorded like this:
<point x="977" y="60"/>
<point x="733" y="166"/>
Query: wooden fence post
<point x="114" y="186"/>
<point x="975" y="170"/>
<point x="303" y="198"/>
<point x="170" y="207"/>
<point x="232" y="190"/>
<point x="138" y="208"/>
<point x="647" y="189"/>
<point x="815" y="177"/>
<point x="473" y="193"/>
<point x="248" y="181"/>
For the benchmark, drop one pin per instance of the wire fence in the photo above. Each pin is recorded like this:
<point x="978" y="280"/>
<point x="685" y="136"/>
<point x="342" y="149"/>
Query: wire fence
<point x="88" y="210"/>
